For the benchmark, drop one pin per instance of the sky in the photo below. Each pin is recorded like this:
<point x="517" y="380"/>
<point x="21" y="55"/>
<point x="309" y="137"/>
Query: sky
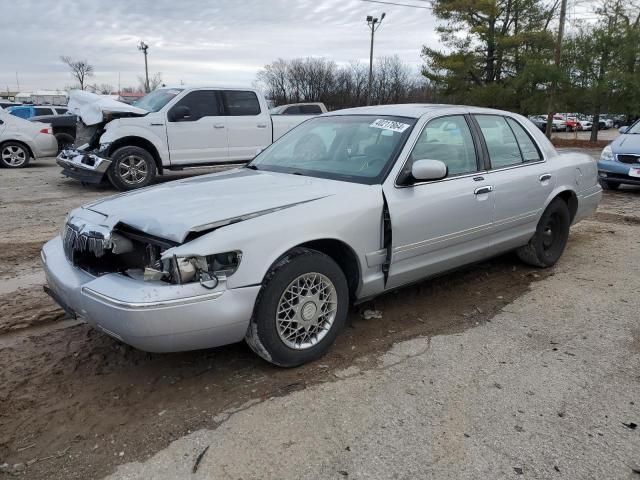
<point x="205" y="42"/>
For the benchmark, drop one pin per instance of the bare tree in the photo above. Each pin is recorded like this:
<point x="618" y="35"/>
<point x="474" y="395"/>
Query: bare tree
<point x="154" y="82"/>
<point x="80" y="69"/>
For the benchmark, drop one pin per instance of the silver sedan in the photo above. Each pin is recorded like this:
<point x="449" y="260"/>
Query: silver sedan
<point x="347" y="206"/>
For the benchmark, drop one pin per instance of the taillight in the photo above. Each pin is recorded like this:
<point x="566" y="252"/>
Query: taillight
<point x="46" y="130"/>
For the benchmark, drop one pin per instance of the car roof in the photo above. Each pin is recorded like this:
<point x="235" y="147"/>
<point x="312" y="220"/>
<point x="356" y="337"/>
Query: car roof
<point x="414" y="110"/>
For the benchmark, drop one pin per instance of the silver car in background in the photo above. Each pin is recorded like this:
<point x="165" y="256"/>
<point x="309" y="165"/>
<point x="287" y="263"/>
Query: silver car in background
<point x="345" y="207"/>
<point x="22" y="140"/>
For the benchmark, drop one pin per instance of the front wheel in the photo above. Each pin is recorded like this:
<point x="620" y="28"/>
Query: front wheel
<point x="131" y="168"/>
<point x="552" y="233"/>
<point x="300" y="310"/>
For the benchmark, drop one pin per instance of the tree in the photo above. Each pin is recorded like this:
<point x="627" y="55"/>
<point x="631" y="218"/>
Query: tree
<point x="154" y="82"/>
<point x="496" y="52"/>
<point x="80" y="69"/>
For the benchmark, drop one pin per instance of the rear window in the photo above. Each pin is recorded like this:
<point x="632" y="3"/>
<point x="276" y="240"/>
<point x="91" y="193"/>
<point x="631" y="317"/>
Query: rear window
<point x="241" y="103"/>
<point x="311" y="109"/>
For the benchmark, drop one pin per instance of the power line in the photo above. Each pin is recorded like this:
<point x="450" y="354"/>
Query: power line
<point x="397" y="4"/>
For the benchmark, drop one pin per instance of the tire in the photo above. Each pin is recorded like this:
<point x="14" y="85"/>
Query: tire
<point x="131" y="168"/>
<point x="547" y="244"/>
<point x="64" y="141"/>
<point x="607" y="185"/>
<point x="297" y="275"/>
<point x="14" y="155"/>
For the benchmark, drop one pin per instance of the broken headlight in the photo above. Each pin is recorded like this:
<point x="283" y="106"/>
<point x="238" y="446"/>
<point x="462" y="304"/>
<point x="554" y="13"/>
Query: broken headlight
<point x="208" y="270"/>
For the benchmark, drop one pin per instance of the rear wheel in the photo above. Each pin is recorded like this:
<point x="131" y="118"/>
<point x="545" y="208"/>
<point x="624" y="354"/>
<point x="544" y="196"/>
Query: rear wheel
<point x="550" y="239"/>
<point x="608" y="185"/>
<point x="131" y="168"/>
<point x="300" y="310"/>
<point x="14" y="155"/>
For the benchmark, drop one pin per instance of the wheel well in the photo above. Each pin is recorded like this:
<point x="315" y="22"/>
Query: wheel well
<point x="21" y="143"/>
<point x="343" y="255"/>
<point x="571" y="199"/>
<point x="138" y="142"/>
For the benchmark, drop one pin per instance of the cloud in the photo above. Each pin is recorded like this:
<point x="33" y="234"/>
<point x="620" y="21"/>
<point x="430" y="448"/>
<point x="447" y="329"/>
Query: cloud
<point x="194" y="41"/>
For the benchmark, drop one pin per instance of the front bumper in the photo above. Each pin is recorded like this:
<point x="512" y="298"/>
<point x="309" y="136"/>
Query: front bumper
<point x="614" y="171"/>
<point x="84" y="166"/>
<point x="151" y="316"/>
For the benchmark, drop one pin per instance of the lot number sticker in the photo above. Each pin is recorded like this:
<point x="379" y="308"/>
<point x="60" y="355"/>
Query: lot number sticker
<point x="390" y="125"/>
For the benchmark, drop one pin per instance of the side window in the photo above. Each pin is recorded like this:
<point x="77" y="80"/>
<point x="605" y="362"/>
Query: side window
<point x="530" y="152"/>
<point x="201" y="103"/>
<point x="61" y="111"/>
<point x="43" y="111"/>
<point x="311" y="109"/>
<point x="292" y="110"/>
<point x="449" y="140"/>
<point x="501" y="142"/>
<point x="240" y="103"/>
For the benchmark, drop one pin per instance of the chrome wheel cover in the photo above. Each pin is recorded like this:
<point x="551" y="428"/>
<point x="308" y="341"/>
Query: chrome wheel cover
<point x="14" y="156"/>
<point x="306" y="311"/>
<point x="132" y="170"/>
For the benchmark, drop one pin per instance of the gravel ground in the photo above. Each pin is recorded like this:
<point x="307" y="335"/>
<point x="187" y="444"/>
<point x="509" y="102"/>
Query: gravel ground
<point x="433" y="389"/>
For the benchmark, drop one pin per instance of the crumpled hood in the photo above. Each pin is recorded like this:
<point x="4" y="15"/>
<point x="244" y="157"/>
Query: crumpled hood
<point x="93" y="108"/>
<point x="626" y="144"/>
<point x="173" y="210"/>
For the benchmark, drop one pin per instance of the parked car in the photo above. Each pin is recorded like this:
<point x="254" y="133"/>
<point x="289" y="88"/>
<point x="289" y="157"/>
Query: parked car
<point x="6" y="104"/>
<point x="559" y="123"/>
<point x="346" y="206"/>
<point x="584" y="125"/>
<point x="63" y="127"/>
<point x="315" y="108"/>
<point x="28" y="111"/>
<point x="21" y="140"/>
<point x="539" y="122"/>
<point x="169" y="129"/>
<point x="620" y="160"/>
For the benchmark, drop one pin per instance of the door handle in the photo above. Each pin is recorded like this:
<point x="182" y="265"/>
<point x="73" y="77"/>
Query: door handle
<point x="545" y="176"/>
<point x="262" y="125"/>
<point x="485" y="189"/>
<point x="219" y="125"/>
<point x="156" y="124"/>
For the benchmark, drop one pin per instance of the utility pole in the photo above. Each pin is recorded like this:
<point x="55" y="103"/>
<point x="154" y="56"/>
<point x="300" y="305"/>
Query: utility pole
<point x="17" y="81"/>
<point x="143" y="47"/>
<point x="371" y="23"/>
<point x="557" y="56"/>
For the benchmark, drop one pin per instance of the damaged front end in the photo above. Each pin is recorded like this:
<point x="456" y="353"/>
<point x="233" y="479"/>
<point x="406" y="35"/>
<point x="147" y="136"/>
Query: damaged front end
<point x="100" y="250"/>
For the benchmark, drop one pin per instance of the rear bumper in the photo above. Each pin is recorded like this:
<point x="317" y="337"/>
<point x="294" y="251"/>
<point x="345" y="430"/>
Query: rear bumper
<point x="84" y="166"/>
<point x="151" y="316"/>
<point x="45" y="145"/>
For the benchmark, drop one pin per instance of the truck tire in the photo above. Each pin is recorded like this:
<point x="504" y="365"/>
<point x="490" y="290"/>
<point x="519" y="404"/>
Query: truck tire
<point x="301" y="308"/>
<point x="547" y="244"/>
<point x="131" y="168"/>
<point x="14" y="155"/>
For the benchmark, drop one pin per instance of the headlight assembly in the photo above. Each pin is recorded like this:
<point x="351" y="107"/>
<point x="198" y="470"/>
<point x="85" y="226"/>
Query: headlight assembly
<point x="607" y="154"/>
<point x="208" y="270"/>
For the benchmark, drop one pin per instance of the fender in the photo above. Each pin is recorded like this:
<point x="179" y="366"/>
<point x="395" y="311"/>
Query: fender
<point x="118" y="129"/>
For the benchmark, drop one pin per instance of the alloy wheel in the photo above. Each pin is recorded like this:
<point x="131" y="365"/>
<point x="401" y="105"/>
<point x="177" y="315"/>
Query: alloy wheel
<point x="133" y="170"/>
<point x="14" y="155"/>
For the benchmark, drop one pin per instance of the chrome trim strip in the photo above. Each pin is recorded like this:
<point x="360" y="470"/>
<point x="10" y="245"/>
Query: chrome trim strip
<point x="442" y="238"/>
<point x="149" y="305"/>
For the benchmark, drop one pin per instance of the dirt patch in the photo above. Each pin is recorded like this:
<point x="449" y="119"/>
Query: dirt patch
<point x="27" y="307"/>
<point x="616" y="218"/>
<point x="12" y="255"/>
<point x="577" y="143"/>
<point x="77" y="388"/>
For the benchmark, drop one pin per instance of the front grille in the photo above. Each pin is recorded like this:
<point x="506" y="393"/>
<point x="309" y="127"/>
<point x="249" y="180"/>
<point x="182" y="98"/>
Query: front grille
<point x="76" y="243"/>
<point x="626" y="158"/>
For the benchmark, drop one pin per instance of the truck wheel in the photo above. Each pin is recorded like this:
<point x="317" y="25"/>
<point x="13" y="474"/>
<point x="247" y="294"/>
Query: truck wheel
<point x="14" y="155"/>
<point x="552" y="233"/>
<point x="64" y="141"/>
<point x="300" y="309"/>
<point x="131" y="168"/>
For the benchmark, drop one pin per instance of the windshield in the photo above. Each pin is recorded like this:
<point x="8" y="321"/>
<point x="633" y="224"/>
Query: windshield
<point x="354" y="148"/>
<point x="157" y="99"/>
<point x="634" y="129"/>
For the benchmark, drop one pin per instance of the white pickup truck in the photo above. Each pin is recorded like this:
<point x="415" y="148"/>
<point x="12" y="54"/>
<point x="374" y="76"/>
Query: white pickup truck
<point x="170" y="129"/>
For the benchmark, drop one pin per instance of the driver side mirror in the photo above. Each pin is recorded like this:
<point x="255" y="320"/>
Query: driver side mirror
<point x="428" y="170"/>
<point x="180" y="113"/>
<point x="623" y="130"/>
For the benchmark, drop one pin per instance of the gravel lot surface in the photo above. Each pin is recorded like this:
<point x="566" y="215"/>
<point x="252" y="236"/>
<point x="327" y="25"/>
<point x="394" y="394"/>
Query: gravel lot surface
<point x="485" y="373"/>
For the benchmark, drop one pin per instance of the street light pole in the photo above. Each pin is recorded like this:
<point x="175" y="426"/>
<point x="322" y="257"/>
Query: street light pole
<point x="371" y="23"/>
<point x="143" y="47"/>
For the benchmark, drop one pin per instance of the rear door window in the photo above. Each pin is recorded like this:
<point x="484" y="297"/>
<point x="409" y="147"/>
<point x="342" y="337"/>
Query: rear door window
<point x="61" y="111"/>
<point x="43" y="111"/>
<point x="241" y="103"/>
<point x="292" y="110"/>
<point x="311" y="109"/>
<point x="504" y="150"/>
